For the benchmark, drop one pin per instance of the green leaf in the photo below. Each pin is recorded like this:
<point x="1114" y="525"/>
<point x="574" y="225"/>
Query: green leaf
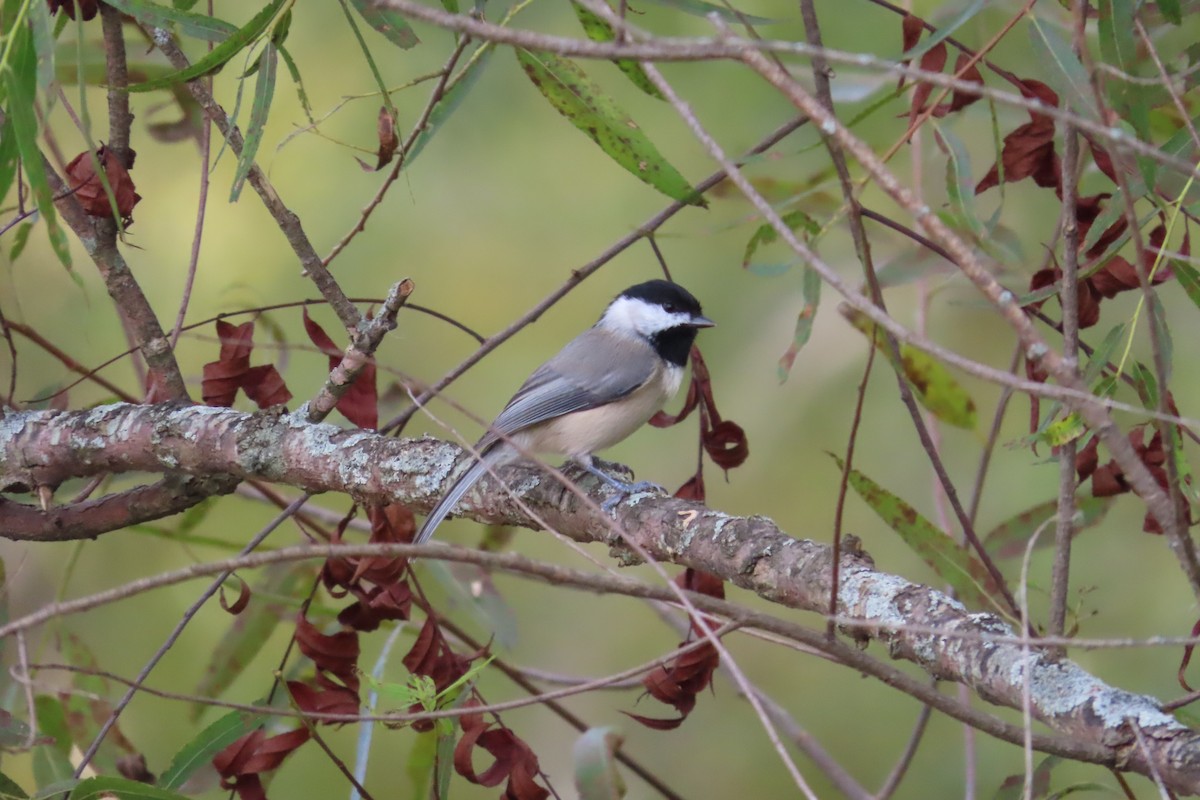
<point x="598" y="30"/>
<point x="51" y="762"/>
<point x="932" y="382"/>
<point x="391" y="24"/>
<point x="1162" y="331"/>
<point x="957" y="567"/>
<point x="700" y="8"/>
<point x="1171" y="11"/>
<point x="20" y="239"/>
<point x="1145" y="384"/>
<point x="944" y="31"/>
<point x="960" y="186"/>
<point x="766" y="233"/>
<point x="592" y="111"/>
<point x="198" y="26"/>
<point x="449" y="103"/>
<point x="596" y="773"/>
<point x="219" y="55"/>
<point x="10" y="790"/>
<point x="1114" y="210"/>
<point x="1010" y="538"/>
<point x="200" y="751"/>
<point x="1064" y="72"/>
<point x="294" y="72"/>
<point x="1189" y="279"/>
<point x="42" y="26"/>
<point x="1118" y="48"/>
<point x="8" y="156"/>
<point x="804" y="321"/>
<point x="245" y="637"/>
<point x="468" y="590"/>
<point x="20" y="81"/>
<point x="123" y="788"/>
<point x="264" y="92"/>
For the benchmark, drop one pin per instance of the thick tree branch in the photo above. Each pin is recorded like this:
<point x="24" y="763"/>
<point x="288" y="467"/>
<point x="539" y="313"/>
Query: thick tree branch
<point x="977" y="650"/>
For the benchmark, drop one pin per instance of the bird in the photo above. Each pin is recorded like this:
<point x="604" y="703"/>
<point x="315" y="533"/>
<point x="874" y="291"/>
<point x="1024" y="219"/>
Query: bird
<point x="602" y="386"/>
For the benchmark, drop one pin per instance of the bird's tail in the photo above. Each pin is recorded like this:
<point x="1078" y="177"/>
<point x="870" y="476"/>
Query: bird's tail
<point x="493" y="457"/>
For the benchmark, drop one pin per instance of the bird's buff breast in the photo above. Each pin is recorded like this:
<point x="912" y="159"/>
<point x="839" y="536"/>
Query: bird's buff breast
<point x="586" y="432"/>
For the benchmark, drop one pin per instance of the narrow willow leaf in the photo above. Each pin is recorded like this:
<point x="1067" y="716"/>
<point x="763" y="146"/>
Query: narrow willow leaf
<point x="1188" y="276"/>
<point x="595" y="760"/>
<point x="449" y="104"/>
<point x="245" y="637"/>
<point x="219" y="55"/>
<point x="21" y="81"/>
<point x="594" y="112"/>
<point x="1101" y="354"/>
<point x="264" y="92"/>
<point x="294" y="72"/>
<point x="20" y="239"/>
<point x="598" y="30"/>
<point x="10" y="788"/>
<point x="8" y="156"/>
<point x="766" y="233"/>
<point x="1113" y="211"/>
<point x="804" y="321"/>
<point x="945" y="31"/>
<point x="1162" y="330"/>
<point x="1145" y="384"/>
<point x="1171" y="11"/>
<point x="700" y="8"/>
<point x="1010" y="538"/>
<point x="197" y="26"/>
<point x="1063" y="70"/>
<point x="51" y="762"/>
<point x="111" y="786"/>
<point x="1118" y="48"/>
<point x="391" y="24"/>
<point x="960" y="185"/>
<point x="44" y="46"/>
<point x="199" y="751"/>
<point x="953" y="564"/>
<point x="1063" y="431"/>
<point x="935" y="387"/>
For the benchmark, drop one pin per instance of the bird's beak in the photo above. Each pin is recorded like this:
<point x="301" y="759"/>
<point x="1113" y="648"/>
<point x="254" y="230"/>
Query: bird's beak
<point x="702" y="322"/>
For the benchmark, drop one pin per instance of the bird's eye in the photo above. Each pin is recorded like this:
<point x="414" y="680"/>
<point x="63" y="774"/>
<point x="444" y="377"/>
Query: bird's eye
<point x="670" y="308"/>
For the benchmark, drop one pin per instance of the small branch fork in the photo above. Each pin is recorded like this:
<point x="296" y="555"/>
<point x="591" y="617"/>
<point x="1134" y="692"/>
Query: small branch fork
<point x="358" y="354"/>
<point x="749" y="552"/>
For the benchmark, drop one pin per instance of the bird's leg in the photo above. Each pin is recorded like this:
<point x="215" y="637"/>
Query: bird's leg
<point x="625" y="488"/>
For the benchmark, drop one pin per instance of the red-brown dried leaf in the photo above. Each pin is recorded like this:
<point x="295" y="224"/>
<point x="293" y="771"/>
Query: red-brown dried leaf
<point x="89" y="190"/>
<point x="389" y="140"/>
<point x="1187" y="658"/>
<point x="241" y="763"/>
<point x="1087" y="459"/>
<point x="133" y="766"/>
<point x="376" y="582"/>
<point x="933" y="60"/>
<point x="961" y="98"/>
<point x="1029" y="150"/>
<point x="324" y="700"/>
<point x="701" y="582"/>
<point x="664" y="420"/>
<point x="1087" y="209"/>
<point x="431" y="656"/>
<point x="512" y="759"/>
<point x="243" y="598"/>
<point x="693" y="489"/>
<point x="911" y="28"/>
<point x="360" y="403"/>
<point x="232" y="371"/>
<point x="87" y="8"/>
<point x="334" y="655"/>
<point x="265" y="387"/>
<point x="726" y="444"/>
<point x="1103" y="160"/>
<point x="377" y="604"/>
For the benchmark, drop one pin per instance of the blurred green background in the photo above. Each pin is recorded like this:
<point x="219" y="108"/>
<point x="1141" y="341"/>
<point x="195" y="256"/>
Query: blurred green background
<point x="505" y="201"/>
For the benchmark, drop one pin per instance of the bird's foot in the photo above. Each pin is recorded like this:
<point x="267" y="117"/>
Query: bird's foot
<point x="625" y="488"/>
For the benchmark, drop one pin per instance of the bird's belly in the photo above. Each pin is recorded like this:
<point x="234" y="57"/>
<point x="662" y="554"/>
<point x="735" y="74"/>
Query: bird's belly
<point x="586" y="432"/>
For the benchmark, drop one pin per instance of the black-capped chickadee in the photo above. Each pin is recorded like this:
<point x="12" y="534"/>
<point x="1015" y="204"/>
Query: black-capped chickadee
<point x="605" y="384"/>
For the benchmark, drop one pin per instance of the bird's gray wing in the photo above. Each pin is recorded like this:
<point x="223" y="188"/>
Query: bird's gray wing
<point x="597" y="367"/>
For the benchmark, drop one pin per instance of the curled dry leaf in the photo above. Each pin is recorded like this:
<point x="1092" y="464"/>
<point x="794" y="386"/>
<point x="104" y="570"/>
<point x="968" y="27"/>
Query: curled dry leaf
<point x="678" y="682"/>
<point x="335" y="655"/>
<point x="377" y="582"/>
<point x="432" y="657"/>
<point x="513" y="759"/>
<point x="1109" y="479"/>
<point x="89" y="190"/>
<point x="724" y="441"/>
<point x="389" y="141"/>
<point x="241" y="764"/>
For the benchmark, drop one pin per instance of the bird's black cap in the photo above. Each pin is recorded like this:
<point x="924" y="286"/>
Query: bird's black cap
<point x="671" y="296"/>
